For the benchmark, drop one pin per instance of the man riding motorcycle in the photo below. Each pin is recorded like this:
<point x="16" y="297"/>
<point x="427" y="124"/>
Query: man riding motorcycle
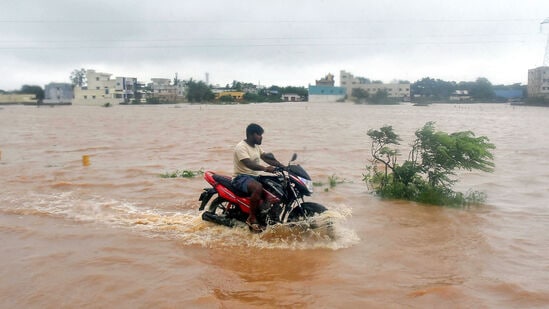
<point x="246" y="161"/>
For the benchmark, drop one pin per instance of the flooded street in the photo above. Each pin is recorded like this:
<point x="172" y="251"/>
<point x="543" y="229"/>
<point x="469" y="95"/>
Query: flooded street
<point x="115" y="234"/>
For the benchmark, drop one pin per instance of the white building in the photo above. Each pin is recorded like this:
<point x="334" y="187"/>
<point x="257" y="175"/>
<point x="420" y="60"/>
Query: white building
<point x="101" y="89"/>
<point x="98" y="90"/>
<point x="291" y="97"/>
<point x="538" y="82"/>
<point x="164" y="91"/>
<point x="349" y="82"/>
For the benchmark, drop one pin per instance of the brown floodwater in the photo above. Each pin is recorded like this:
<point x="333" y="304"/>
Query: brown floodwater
<point x="115" y="234"/>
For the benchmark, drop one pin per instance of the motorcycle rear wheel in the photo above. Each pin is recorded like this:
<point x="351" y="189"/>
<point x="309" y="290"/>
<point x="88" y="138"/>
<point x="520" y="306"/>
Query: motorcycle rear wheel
<point x="223" y="208"/>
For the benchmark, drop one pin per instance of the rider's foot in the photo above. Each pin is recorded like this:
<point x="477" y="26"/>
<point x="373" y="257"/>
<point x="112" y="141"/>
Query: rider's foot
<point x="253" y="225"/>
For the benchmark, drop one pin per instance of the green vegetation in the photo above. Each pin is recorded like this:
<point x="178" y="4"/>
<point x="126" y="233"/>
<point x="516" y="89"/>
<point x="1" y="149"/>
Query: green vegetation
<point x="434" y="158"/>
<point x="437" y="90"/>
<point x="182" y="174"/>
<point x="333" y="181"/>
<point x="78" y="77"/>
<point x="32" y="89"/>
<point x="199" y="92"/>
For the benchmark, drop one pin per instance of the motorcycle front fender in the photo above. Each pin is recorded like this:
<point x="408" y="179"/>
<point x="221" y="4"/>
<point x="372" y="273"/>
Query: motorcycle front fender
<point x="206" y="196"/>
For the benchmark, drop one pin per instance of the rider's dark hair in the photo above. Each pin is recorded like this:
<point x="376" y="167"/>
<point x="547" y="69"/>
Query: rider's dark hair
<point x="253" y="128"/>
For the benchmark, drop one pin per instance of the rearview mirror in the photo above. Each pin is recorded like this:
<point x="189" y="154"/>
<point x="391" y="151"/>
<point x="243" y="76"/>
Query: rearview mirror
<point x="294" y="157"/>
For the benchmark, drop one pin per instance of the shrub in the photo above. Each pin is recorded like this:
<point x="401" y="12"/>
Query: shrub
<point x="427" y="176"/>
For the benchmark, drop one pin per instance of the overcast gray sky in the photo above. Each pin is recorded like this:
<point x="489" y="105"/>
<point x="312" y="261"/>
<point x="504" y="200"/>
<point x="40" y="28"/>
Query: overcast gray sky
<point x="283" y="42"/>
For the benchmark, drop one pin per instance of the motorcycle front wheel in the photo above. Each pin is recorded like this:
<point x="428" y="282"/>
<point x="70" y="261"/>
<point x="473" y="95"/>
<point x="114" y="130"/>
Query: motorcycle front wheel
<point x="308" y="215"/>
<point x="308" y="209"/>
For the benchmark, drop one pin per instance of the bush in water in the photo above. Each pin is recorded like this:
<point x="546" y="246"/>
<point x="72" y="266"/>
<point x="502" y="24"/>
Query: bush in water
<point x="427" y="174"/>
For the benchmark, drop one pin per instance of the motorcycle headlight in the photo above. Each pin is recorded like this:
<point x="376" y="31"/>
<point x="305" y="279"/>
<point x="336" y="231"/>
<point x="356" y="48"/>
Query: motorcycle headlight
<point x="308" y="183"/>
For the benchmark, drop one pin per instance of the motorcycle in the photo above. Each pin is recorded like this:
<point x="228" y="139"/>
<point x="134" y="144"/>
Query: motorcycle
<point x="283" y="198"/>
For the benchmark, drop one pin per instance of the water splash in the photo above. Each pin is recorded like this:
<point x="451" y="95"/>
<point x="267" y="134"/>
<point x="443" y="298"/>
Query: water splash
<point x="329" y="230"/>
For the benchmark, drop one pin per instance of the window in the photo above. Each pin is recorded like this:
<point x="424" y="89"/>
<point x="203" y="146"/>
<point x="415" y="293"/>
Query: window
<point x="97" y="78"/>
<point x="93" y="97"/>
<point x="97" y="87"/>
<point x="85" y="97"/>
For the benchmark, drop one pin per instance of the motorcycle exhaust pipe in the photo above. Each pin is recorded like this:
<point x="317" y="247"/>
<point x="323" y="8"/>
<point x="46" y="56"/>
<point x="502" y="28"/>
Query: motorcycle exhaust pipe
<point x="211" y="217"/>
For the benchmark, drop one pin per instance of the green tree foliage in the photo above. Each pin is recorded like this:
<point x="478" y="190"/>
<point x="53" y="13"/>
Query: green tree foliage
<point x="36" y="90"/>
<point x="427" y="175"/>
<point x="380" y="97"/>
<point x="433" y="89"/>
<point x="480" y="90"/>
<point x="360" y="95"/>
<point x="78" y="77"/>
<point x="301" y="91"/>
<point x="199" y="92"/>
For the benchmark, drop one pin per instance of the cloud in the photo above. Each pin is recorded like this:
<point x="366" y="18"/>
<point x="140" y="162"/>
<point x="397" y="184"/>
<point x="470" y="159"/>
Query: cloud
<point x="282" y="43"/>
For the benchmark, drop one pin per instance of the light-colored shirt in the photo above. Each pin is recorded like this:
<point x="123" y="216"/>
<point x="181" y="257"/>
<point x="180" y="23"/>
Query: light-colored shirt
<point x="245" y="151"/>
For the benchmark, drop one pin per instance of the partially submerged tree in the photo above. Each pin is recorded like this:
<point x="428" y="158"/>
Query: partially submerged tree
<point x="427" y="175"/>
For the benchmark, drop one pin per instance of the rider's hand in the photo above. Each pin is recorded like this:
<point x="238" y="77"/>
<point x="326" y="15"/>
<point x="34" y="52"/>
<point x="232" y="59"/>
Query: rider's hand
<point x="270" y="169"/>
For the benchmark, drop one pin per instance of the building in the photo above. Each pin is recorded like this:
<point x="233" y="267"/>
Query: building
<point x="326" y="94"/>
<point x="325" y="91"/>
<point x="291" y="97"/>
<point x="510" y="95"/>
<point x="397" y="90"/>
<point x="460" y="96"/>
<point x="236" y="95"/>
<point x="328" y="80"/>
<point x="125" y="89"/>
<point x="101" y="89"/>
<point x="538" y="82"/>
<point x="163" y="90"/>
<point x="98" y="90"/>
<point x="58" y="93"/>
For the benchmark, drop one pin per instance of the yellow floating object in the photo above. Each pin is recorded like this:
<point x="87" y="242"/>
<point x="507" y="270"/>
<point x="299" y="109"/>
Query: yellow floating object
<point x="85" y="160"/>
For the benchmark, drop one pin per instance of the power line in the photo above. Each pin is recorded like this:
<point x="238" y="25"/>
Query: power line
<point x="298" y="21"/>
<point x="330" y="37"/>
<point x="216" y="45"/>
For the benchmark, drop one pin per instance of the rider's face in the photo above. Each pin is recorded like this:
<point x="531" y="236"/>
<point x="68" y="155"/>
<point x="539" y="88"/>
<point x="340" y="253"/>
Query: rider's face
<point x="257" y="138"/>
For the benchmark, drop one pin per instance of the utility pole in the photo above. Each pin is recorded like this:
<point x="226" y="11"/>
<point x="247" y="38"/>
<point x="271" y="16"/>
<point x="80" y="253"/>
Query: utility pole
<point x="546" y="57"/>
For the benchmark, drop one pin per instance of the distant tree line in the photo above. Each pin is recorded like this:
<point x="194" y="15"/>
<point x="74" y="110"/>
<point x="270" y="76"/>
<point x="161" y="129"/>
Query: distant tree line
<point x="28" y="89"/>
<point x="424" y="90"/>
<point x="437" y="90"/>
<point x="201" y="92"/>
<point x="430" y="89"/>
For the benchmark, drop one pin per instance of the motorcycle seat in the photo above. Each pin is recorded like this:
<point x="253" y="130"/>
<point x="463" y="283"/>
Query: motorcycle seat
<point x="227" y="183"/>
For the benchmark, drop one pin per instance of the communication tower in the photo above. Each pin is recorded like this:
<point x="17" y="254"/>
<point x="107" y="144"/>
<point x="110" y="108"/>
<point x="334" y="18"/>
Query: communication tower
<point x="546" y="57"/>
